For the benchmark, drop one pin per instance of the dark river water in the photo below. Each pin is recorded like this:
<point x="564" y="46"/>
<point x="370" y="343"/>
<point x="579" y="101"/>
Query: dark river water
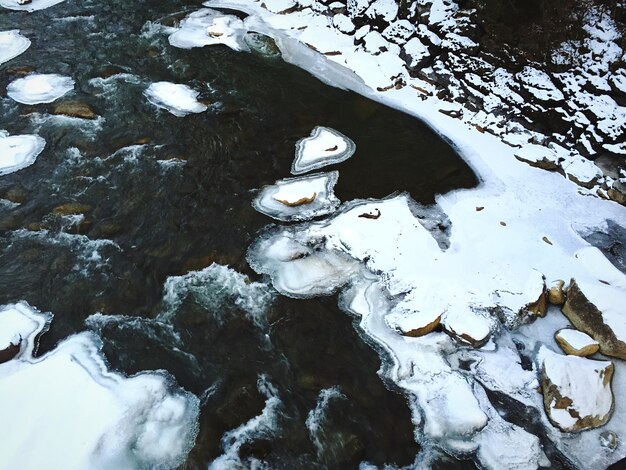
<point x="162" y="196"/>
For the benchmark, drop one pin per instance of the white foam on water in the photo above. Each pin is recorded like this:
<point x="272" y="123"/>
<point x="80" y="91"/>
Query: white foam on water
<point x="39" y="88"/>
<point x="266" y="425"/>
<point x="180" y="100"/>
<point x="113" y="422"/>
<point x="316" y="419"/>
<point x="12" y="44"/>
<point x="215" y="287"/>
<point x="19" y="151"/>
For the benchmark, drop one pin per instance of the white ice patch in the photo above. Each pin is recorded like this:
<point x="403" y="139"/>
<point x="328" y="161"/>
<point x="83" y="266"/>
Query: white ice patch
<point x="300" y="198"/>
<point x="324" y="147"/>
<point x="19" y="151"/>
<point x="34" y="5"/>
<point x="20" y="326"/>
<point x="115" y="421"/>
<point x="39" y="88"/>
<point x="208" y="27"/>
<point x="12" y="44"/>
<point x="180" y="100"/>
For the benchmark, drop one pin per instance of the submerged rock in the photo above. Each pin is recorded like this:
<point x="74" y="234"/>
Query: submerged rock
<point x="576" y="343"/>
<point x="598" y="310"/>
<point x="75" y="109"/>
<point x="576" y="391"/>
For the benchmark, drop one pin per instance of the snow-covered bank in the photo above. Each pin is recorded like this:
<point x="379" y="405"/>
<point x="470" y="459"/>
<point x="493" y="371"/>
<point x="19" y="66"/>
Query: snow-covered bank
<point x="87" y="416"/>
<point x="446" y="306"/>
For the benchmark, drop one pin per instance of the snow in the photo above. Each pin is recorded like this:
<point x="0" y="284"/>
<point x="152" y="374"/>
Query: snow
<point x="12" y="44"/>
<point x="39" y="88"/>
<point x="533" y="153"/>
<point x="581" y="380"/>
<point x="19" y="151"/>
<point x="416" y="51"/>
<point x="207" y="27"/>
<point x="301" y="198"/>
<point x="344" y="24"/>
<point x="115" y="421"/>
<point x="180" y="100"/>
<point x="20" y="325"/>
<point x="386" y="9"/>
<point x="30" y="7"/>
<point x="324" y="147"/>
<point x="539" y="84"/>
<point x="576" y="339"/>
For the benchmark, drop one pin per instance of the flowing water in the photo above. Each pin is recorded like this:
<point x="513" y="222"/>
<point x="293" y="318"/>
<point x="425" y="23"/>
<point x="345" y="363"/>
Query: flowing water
<point x="126" y="223"/>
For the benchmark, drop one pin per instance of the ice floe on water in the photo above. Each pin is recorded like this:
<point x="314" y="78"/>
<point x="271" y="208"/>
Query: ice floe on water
<point x="301" y="198"/>
<point x="325" y="146"/>
<point x="39" y="88"/>
<point x="12" y="44"/>
<point x="139" y="421"/>
<point x="178" y="99"/>
<point x="19" y="151"/>
<point x="33" y="5"/>
<point x="208" y="27"/>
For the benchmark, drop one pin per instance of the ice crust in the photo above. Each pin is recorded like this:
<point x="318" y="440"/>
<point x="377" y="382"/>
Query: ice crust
<point x="180" y="100"/>
<point x="297" y="199"/>
<point x="39" y="88"/>
<point x="12" y="44"/>
<point x="19" y="151"/>
<point x="115" y="421"/>
<point x="209" y="27"/>
<point x="507" y="236"/>
<point x="30" y="7"/>
<point x="324" y="147"/>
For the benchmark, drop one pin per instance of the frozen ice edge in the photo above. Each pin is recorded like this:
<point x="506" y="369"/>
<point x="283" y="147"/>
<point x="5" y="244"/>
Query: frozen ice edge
<point x="12" y="44"/>
<point x="325" y="146"/>
<point x="115" y="421"/>
<point x="19" y="151"/>
<point x="523" y="197"/>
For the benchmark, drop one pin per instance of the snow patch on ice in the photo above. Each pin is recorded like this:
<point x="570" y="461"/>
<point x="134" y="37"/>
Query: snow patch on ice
<point x="39" y="88"/>
<point x="207" y="27"/>
<point x="19" y="151"/>
<point x="12" y="44"/>
<point x="180" y="100"/>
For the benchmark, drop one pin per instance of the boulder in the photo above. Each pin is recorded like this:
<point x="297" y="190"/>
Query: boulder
<point x="599" y="310"/>
<point x="556" y="293"/>
<point x="576" y="391"/>
<point x="413" y="323"/>
<point x="75" y="109"/>
<point x="576" y="343"/>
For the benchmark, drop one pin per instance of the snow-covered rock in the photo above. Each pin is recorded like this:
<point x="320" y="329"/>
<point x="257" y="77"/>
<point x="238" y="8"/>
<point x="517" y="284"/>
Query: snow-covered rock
<point x="207" y="27"/>
<point x="12" y="44"/>
<point x="556" y="293"/>
<point x="539" y="84"/>
<point x="598" y="310"/>
<point x="19" y="151"/>
<point x="88" y="417"/>
<point x="178" y="99"/>
<point x="34" y="5"/>
<point x="324" y="147"/>
<point x="416" y="53"/>
<point x="538" y="156"/>
<point x="300" y="198"/>
<point x="576" y="391"/>
<point x="20" y="327"/>
<point x="343" y="23"/>
<point x="576" y="343"/>
<point x="39" y="88"/>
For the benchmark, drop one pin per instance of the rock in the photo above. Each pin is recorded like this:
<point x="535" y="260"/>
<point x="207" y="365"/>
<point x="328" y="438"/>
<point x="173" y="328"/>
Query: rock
<point x="556" y="294"/>
<point x="24" y="2"/>
<point x="576" y="343"/>
<point x="608" y="439"/>
<point x="9" y="352"/>
<point x="299" y="202"/>
<point x="598" y="310"/>
<point x="576" y="391"/>
<point x="72" y="208"/>
<point x="413" y="323"/>
<point x="74" y="109"/>
<point x="16" y="195"/>
<point x="538" y="156"/>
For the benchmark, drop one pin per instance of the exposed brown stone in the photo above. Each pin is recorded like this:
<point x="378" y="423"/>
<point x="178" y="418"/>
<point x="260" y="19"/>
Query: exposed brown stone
<point x="586" y="317"/>
<point x="299" y="202"/>
<point x="74" y="109"/>
<point x="424" y="330"/>
<point x="9" y="352"/>
<point x="556" y="294"/>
